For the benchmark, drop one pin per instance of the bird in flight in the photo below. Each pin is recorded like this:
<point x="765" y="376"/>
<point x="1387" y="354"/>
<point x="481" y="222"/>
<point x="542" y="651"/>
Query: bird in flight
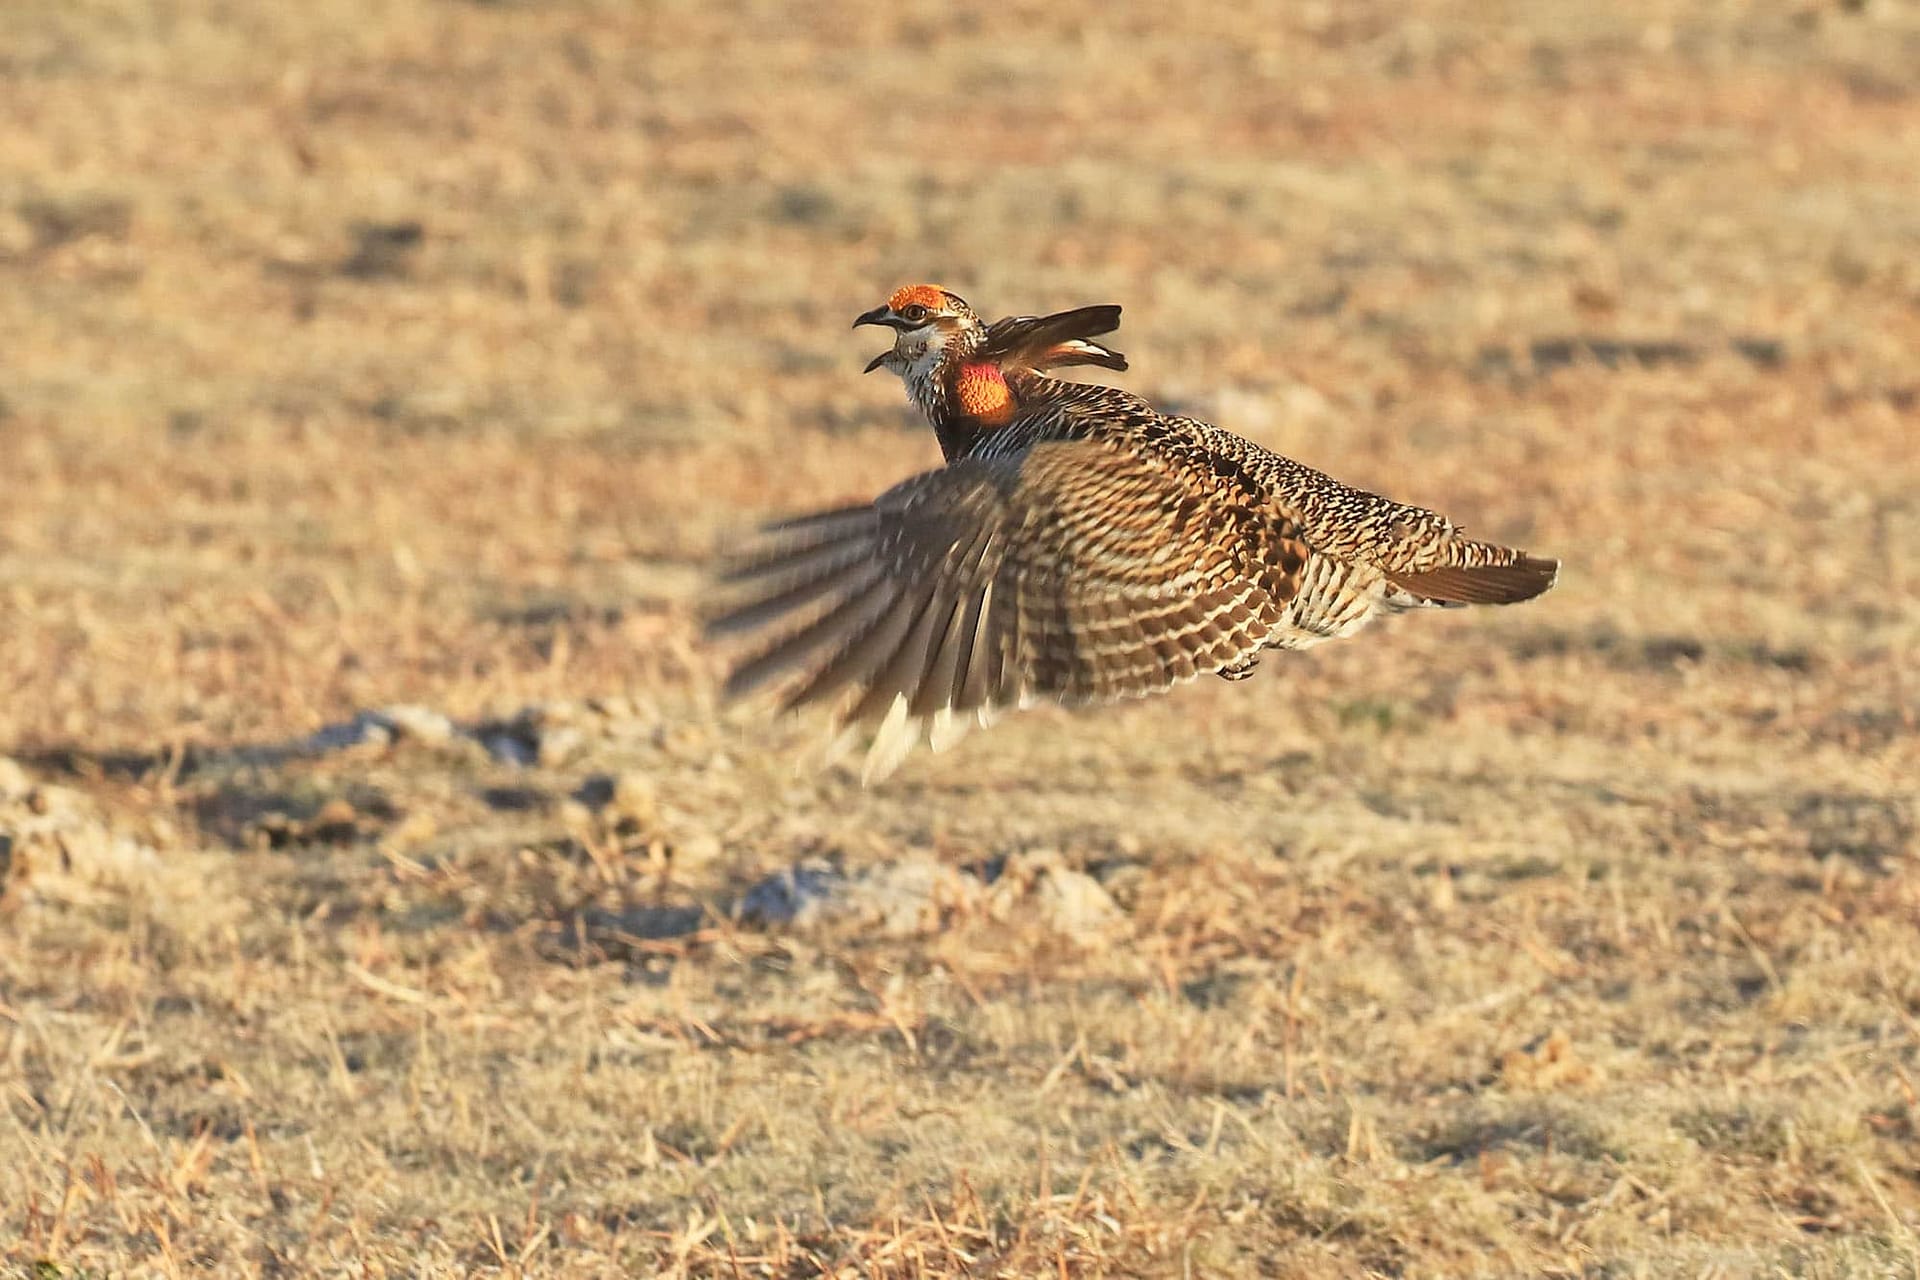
<point x="1077" y="547"/>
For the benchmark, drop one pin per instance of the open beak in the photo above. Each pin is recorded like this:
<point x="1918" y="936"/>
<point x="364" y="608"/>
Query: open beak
<point x="877" y="361"/>
<point x="879" y="315"/>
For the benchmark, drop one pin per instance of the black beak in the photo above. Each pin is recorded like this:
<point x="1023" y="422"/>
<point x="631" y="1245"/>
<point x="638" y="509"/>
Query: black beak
<point x="879" y="315"/>
<point x="877" y="361"/>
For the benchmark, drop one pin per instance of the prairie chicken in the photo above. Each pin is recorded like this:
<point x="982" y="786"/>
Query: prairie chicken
<point x="1077" y="547"/>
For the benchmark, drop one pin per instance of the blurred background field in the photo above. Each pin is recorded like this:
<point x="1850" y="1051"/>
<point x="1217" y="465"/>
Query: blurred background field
<point x="385" y="893"/>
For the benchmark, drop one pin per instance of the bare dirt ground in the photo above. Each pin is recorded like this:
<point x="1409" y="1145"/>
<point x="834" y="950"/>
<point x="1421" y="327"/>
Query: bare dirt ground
<point x="361" y="356"/>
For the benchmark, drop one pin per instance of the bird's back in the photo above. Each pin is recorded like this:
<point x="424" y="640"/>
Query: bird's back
<point x="1370" y="553"/>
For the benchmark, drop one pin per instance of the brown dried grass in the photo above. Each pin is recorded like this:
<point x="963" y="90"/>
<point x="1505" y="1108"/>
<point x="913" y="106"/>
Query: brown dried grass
<point x="1575" y="939"/>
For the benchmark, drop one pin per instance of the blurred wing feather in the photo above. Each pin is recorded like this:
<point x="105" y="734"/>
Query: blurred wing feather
<point x="1075" y="573"/>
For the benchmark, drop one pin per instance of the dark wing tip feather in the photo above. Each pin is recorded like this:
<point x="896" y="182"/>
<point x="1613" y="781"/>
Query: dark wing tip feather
<point x="1524" y="579"/>
<point x="1104" y="318"/>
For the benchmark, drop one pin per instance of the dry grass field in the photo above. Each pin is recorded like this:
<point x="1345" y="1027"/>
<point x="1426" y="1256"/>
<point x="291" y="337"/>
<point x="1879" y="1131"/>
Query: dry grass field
<point x="386" y="892"/>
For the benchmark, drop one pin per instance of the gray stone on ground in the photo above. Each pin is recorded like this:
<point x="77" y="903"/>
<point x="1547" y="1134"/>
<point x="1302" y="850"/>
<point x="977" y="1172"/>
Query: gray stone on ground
<point x="920" y="895"/>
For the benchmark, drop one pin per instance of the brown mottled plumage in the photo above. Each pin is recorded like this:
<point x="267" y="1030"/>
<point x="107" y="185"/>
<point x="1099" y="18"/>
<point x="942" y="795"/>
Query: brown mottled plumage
<point x="1078" y="547"/>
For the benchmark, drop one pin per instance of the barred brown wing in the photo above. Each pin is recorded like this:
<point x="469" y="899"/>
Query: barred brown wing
<point x="1076" y="572"/>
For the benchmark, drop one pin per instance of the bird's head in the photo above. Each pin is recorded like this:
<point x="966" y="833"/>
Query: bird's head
<point x="929" y="325"/>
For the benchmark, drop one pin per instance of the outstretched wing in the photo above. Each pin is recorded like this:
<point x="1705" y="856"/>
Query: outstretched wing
<point x="1075" y="574"/>
<point x="1056" y="341"/>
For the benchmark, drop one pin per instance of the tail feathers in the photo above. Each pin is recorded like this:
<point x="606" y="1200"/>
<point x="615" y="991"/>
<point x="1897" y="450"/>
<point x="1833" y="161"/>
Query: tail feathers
<point x="1524" y="579"/>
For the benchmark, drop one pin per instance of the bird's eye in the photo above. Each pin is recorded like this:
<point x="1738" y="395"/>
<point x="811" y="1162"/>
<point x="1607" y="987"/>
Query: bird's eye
<point x="913" y="313"/>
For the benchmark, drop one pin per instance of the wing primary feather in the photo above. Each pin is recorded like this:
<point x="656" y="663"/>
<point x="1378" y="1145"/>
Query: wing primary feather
<point x="819" y="520"/>
<point x="896" y="736"/>
<point x="755" y="563"/>
<point x="947" y="663"/>
<point x="752" y="614"/>
<point x="898" y="677"/>
<point x="1011" y="648"/>
<point x="866" y="651"/>
<point x="976" y="675"/>
<point x="823" y="633"/>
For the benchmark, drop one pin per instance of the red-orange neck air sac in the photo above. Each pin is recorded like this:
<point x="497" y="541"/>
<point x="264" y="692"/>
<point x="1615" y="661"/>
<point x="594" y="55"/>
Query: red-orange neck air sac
<point x="981" y="393"/>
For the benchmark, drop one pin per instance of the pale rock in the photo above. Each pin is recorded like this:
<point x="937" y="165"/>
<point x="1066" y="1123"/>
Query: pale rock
<point x="420" y="724"/>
